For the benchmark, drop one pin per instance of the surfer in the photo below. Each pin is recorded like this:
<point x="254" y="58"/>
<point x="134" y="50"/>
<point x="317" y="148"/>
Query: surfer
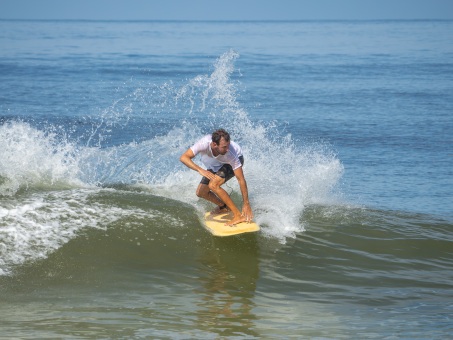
<point x="223" y="159"/>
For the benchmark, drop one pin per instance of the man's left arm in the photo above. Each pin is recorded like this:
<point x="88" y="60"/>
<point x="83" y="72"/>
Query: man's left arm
<point x="246" y="209"/>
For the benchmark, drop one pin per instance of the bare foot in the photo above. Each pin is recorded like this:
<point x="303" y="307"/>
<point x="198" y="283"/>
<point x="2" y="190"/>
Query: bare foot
<point x="220" y="210"/>
<point x="236" y="220"/>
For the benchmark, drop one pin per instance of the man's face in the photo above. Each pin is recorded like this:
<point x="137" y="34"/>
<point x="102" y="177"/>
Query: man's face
<point x="222" y="147"/>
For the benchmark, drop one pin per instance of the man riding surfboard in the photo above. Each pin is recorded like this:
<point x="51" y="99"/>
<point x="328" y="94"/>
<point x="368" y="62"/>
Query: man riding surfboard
<point x="223" y="160"/>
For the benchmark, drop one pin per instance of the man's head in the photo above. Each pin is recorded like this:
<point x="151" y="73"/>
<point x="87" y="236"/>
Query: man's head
<point x="221" y="140"/>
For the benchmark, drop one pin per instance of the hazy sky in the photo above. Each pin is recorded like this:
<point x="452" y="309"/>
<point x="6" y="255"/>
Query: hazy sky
<point x="226" y="9"/>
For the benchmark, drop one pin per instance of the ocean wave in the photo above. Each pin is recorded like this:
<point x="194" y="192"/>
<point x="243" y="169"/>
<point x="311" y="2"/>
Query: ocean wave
<point x="40" y="164"/>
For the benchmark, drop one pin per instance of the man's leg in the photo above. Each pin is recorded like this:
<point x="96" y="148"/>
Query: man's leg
<point x="215" y="187"/>
<point x="203" y="191"/>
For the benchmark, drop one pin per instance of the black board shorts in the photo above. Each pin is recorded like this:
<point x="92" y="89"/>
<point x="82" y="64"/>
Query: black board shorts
<point x="226" y="171"/>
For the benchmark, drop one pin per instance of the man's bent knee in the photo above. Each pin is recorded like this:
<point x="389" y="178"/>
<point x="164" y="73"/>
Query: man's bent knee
<point x="215" y="184"/>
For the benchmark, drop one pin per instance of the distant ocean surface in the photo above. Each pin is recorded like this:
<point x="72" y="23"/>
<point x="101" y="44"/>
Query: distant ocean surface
<point x="347" y="132"/>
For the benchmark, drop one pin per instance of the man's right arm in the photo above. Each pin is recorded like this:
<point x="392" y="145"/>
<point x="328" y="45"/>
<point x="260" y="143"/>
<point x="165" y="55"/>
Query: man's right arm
<point x="186" y="159"/>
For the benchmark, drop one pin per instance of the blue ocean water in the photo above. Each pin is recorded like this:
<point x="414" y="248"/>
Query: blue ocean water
<point x="347" y="131"/>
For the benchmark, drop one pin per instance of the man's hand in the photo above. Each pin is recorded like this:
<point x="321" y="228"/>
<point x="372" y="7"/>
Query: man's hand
<point x="206" y="173"/>
<point x="247" y="212"/>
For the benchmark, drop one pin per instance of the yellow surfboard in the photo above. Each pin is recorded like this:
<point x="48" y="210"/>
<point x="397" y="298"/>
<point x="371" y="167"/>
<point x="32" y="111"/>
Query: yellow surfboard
<point x="216" y="225"/>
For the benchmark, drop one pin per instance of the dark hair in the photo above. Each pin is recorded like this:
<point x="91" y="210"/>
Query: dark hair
<point x="219" y="134"/>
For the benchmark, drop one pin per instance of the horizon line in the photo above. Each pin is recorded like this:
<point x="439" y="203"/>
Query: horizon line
<point x="221" y="20"/>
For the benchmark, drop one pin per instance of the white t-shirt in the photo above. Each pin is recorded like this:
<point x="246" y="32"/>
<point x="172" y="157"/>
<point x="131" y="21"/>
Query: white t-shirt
<point x="203" y="147"/>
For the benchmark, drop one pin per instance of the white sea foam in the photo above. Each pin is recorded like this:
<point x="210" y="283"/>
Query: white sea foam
<point x="33" y="228"/>
<point x="44" y="222"/>
<point x="30" y="157"/>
